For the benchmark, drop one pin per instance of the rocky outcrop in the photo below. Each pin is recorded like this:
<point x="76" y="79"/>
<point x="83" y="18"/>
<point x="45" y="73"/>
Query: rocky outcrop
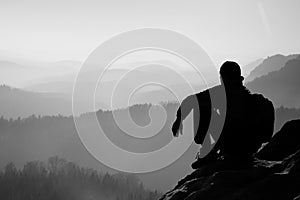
<point x="285" y="142"/>
<point x="262" y="179"/>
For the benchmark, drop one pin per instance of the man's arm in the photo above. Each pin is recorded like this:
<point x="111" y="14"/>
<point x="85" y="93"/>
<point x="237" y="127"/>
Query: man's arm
<point x="183" y="111"/>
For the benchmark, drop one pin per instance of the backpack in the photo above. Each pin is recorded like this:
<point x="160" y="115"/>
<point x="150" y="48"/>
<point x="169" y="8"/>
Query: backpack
<point x="249" y="126"/>
<point x="263" y="122"/>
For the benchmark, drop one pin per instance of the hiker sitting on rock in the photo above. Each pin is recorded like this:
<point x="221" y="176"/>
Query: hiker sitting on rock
<point x="248" y="123"/>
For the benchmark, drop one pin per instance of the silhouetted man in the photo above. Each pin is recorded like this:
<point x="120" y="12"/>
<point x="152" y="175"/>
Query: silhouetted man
<point x="248" y="123"/>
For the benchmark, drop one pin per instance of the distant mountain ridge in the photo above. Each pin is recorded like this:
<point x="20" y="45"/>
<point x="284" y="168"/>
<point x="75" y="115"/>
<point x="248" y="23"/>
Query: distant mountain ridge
<point x="248" y="68"/>
<point x="270" y="64"/>
<point x="282" y="86"/>
<point x="19" y="74"/>
<point x="8" y="64"/>
<point x="20" y="103"/>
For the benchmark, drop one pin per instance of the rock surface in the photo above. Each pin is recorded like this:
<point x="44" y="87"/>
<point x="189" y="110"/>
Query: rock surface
<point x="284" y="143"/>
<point x="279" y="179"/>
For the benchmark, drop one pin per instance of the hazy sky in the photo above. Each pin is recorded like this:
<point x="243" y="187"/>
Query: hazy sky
<point x="63" y="30"/>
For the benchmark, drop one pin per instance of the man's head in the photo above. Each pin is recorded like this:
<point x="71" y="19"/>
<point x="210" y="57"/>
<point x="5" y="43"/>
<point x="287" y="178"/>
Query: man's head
<point x="230" y="73"/>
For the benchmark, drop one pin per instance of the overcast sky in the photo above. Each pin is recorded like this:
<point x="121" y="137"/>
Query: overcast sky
<point x="69" y="30"/>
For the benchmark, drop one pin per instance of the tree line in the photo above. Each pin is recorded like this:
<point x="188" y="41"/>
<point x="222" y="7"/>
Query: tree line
<point x="59" y="179"/>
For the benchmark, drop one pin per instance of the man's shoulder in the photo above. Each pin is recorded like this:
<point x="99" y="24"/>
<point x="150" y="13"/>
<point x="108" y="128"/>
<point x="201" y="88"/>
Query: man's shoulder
<point x="260" y="100"/>
<point x="260" y="97"/>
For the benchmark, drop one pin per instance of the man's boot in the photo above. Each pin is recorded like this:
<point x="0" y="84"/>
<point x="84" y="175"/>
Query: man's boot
<point x="211" y="157"/>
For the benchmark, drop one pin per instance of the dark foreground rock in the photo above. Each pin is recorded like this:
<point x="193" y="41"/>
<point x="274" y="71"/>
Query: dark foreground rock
<point x="260" y="180"/>
<point x="285" y="142"/>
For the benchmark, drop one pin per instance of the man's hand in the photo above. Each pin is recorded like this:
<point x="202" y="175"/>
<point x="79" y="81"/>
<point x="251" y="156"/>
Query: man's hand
<point x="177" y="128"/>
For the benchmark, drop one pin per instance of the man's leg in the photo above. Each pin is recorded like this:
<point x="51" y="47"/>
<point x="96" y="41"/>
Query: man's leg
<point x="211" y="156"/>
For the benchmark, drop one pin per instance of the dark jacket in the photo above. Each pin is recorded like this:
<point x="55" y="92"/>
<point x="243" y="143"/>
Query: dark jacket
<point x="238" y="120"/>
